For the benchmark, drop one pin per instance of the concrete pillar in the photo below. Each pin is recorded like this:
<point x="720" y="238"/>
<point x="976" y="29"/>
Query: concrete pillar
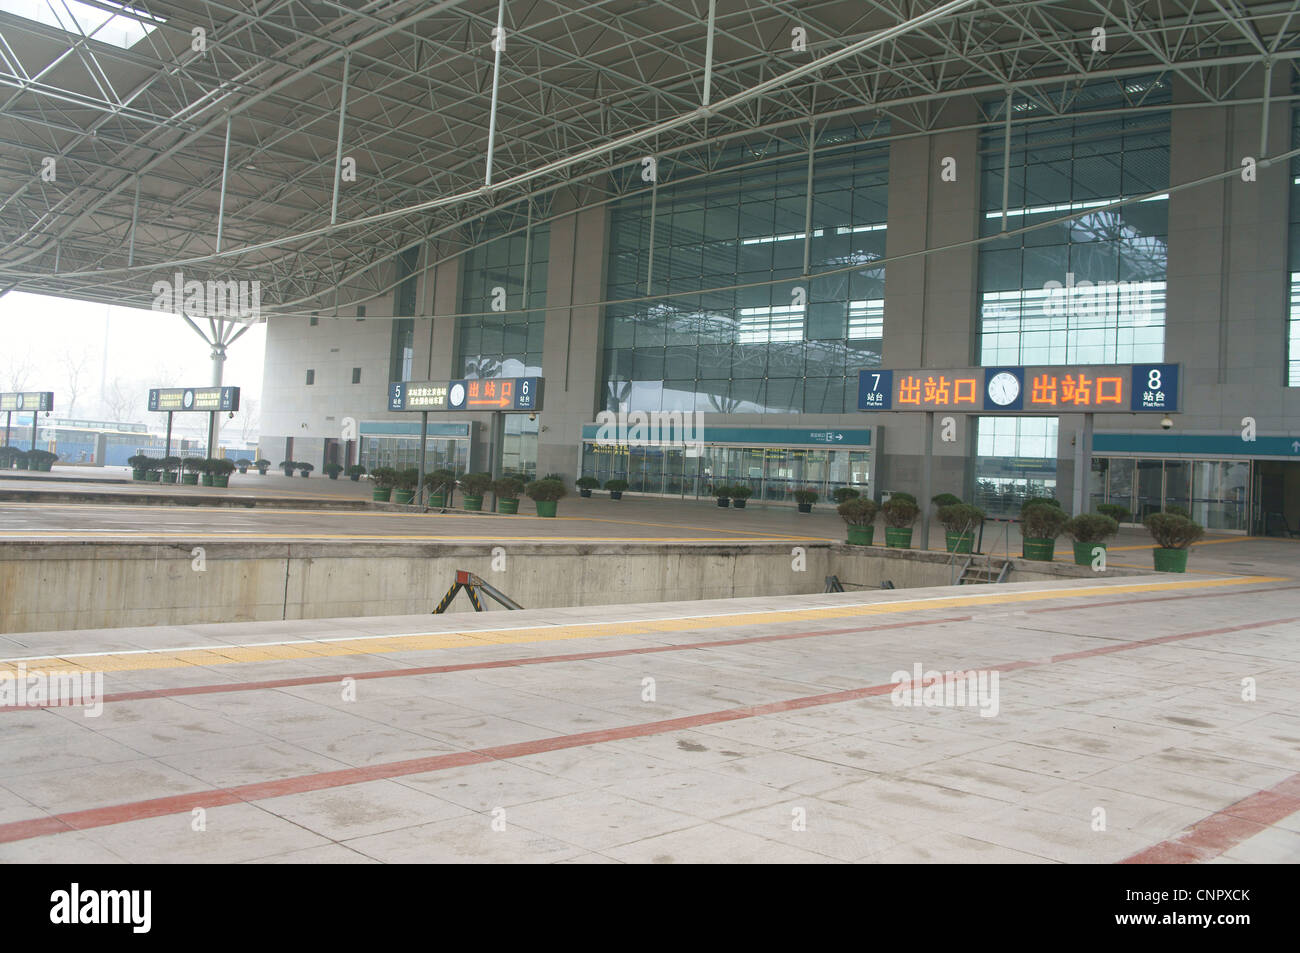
<point x="930" y="303"/>
<point x="573" y="346"/>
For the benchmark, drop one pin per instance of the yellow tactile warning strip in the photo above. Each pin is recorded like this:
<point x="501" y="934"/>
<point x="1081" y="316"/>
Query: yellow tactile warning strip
<point x="423" y="641"/>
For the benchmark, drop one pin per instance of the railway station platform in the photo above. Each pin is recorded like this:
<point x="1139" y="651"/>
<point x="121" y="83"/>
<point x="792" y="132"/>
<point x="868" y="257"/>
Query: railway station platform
<point x="1097" y="726"/>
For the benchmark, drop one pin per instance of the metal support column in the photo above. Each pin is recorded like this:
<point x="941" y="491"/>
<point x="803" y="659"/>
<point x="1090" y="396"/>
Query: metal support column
<point x="708" y="52"/>
<point x="927" y="479"/>
<point x="9" y="419"/>
<point x="498" y="44"/>
<point x="1082" y="466"/>
<point x="167" y="450"/>
<point x="808" y="204"/>
<point x="424" y="446"/>
<point x="225" y="171"/>
<point x="338" y="144"/>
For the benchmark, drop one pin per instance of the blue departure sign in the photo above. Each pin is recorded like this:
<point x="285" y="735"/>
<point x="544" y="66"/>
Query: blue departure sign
<point x="500" y="394"/>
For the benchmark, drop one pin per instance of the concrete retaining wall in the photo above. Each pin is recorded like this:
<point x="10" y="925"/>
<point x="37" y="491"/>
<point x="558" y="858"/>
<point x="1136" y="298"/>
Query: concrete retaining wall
<point x="74" y="585"/>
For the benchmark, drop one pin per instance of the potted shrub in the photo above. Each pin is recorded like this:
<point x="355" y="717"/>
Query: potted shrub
<point x="805" y="499"/>
<point x="152" y="470"/>
<point x="438" y="482"/>
<point x="171" y="469"/>
<point x="332" y="470"/>
<point x="1041" y="521"/>
<point x="41" y="460"/>
<point x="474" y="486"/>
<point x="243" y="463"/>
<point x="138" y="464"/>
<point x="205" y="471"/>
<point x="546" y="494"/>
<point x="842" y="493"/>
<point x="900" y="514"/>
<point x="356" y="472"/>
<point x="945" y="499"/>
<point x="20" y="461"/>
<point x="586" y="484"/>
<point x="1089" y="532"/>
<point x="404" y="484"/>
<point x="959" y="522"/>
<point x="616" y="488"/>
<point x="739" y="494"/>
<point x="262" y="465"/>
<point x="507" y="490"/>
<point x="191" y="467"/>
<point x="1120" y="514"/>
<point x="221" y="468"/>
<point x="383" y="479"/>
<point x="288" y="466"/>
<point x="304" y="468"/>
<point x="859" y="513"/>
<point x="7" y="456"/>
<point x="722" y="493"/>
<point x="1173" y="535"/>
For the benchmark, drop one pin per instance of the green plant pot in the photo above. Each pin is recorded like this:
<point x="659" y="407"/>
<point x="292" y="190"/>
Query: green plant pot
<point x="507" y="506"/>
<point x="381" y="495"/>
<point x="546" y="507"/>
<point x="220" y="480"/>
<point x="305" y="474"/>
<point x="261" y="471"/>
<point x="739" y="504"/>
<point x="959" y="542"/>
<point x="44" y="467"/>
<point x="1169" y="560"/>
<point x="861" y="535"/>
<point x="152" y="476"/>
<point x="1038" y="550"/>
<point x="137" y="475"/>
<point x="898" y="537"/>
<point x="1083" y="552"/>
<point x="805" y="507"/>
<point x="437" y="499"/>
<point x="403" y="496"/>
<point x="355" y="478"/>
<point x="189" y="479"/>
<point x="582" y="492"/>
<point x="474" y="503"/>
<point x="333" y="476"/>
<point x="206" y="479"/>
<point x="613" y="495"/>
<point x="724" y="501"/>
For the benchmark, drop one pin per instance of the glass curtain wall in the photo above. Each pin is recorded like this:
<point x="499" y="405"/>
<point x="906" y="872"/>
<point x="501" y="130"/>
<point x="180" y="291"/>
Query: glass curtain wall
<point x="1090" y="290"/>
<point x="500" y="281"/>
<point x="1293" y="251"/>
<point x="1214" y="492"/>
<point x="772" y="473"/>
<point x="737" y="217"/>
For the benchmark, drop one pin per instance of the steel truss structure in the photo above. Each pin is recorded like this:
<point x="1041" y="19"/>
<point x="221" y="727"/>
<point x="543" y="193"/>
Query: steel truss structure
<point x="216" y="145"/>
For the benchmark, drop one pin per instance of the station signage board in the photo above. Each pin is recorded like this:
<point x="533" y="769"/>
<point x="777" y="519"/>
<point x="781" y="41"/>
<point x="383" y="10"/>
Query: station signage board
<point x="1036" y="390"/>
<point x="507" y="394"/>
<point x="41" y="400"/>
<point x="204" y="399"/>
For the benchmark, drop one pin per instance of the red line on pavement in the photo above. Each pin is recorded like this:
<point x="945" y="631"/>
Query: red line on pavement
<point x="473" y="666"/>
<point x="1223" y="830"/>
<point x="221" y="687"/>
<point x="159" y="807"/>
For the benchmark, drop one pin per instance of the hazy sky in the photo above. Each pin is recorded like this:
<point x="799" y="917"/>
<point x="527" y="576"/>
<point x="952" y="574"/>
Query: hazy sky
<point x="48" y="343"/>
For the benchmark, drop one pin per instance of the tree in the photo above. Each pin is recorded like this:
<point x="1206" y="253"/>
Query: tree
<point x="76" y="365"/>
<point x="17" y="371"/>
<point x="124" y="401"/>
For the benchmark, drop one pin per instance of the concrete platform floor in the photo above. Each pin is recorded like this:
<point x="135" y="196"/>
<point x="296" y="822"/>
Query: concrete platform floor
<point x="596" y="519"/>
<point x="1148" y="720"/>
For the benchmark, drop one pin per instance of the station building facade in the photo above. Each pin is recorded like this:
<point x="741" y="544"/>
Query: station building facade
<point x="745" y="283"/>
